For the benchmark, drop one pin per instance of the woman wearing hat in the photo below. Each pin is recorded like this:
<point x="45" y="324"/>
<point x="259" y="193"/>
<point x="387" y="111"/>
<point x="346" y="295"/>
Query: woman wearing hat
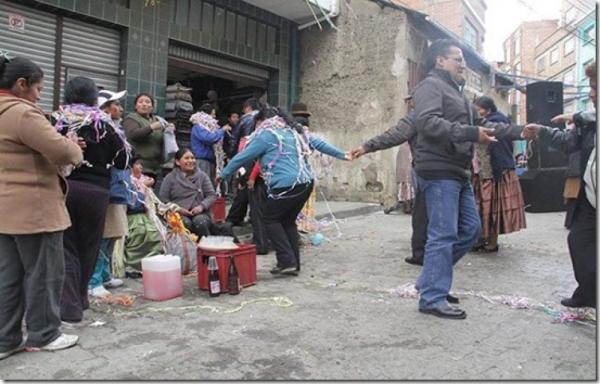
<point x="115" y="226"/>
<point x="306" y="218"/>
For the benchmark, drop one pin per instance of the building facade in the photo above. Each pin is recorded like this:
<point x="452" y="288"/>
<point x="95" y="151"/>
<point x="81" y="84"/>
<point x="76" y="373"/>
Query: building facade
<point x="354" y="82"/>
<point x="519" y="60"/>
<point x="586" y="53"/>
<point x="230" y="46"/>
<point x="465" y="18"/>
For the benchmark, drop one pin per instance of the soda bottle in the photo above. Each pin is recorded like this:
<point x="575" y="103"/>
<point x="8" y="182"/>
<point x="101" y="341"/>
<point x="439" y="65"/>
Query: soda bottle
<point x="234" y="278"/>
<point x="214" y="285"/>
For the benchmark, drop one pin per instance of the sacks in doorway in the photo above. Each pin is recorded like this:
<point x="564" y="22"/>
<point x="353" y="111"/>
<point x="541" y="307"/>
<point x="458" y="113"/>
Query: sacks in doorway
<point x="178" y="87"/>
<point x="178" y="110"/>
<point x="178" y="105"/>
<point x="182" y="96"/>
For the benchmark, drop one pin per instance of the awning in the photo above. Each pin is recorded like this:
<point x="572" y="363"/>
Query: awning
<point x="297" y="11"/>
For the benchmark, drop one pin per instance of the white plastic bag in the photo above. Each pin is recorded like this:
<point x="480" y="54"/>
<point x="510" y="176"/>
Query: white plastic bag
<point x="170" y="146"/>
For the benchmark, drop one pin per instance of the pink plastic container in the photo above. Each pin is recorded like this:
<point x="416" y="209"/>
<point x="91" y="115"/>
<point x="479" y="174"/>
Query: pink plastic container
<point x="162" y="277"/>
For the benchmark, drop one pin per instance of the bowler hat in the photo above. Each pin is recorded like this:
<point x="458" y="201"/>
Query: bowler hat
<point x="299" y="109"/>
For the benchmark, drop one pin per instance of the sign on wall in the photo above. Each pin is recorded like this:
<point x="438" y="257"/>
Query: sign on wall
<point x="16" y="22"/>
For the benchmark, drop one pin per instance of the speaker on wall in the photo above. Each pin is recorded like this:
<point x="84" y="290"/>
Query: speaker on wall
<point x="544" y="101"/>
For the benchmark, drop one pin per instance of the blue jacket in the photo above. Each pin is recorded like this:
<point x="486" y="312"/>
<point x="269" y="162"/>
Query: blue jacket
<point x="203" y="140"/>
<point x="282" y="169"/>
<point x="501" y="152"/>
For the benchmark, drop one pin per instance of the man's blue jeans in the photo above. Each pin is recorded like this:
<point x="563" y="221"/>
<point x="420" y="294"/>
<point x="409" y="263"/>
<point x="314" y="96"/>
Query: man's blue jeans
<point x="454" y="227"/>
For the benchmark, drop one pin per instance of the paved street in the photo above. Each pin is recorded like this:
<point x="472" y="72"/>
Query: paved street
<point x="341" y="319"/>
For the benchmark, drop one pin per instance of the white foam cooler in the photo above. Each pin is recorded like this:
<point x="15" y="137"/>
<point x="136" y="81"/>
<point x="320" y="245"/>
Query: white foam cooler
<point x="161" y="276"/>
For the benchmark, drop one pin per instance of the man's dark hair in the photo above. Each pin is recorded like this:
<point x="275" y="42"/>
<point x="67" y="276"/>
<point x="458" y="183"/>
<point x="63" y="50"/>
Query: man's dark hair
<point x="252" y="103"/>
<point x="81" y="90"/>
<point x="486" y="103"/>
<point x="206" y="108"/>
<point x="437" y="48"/>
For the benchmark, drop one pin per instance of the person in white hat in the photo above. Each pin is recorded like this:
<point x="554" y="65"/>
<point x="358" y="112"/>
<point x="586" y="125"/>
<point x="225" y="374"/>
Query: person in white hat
<point x="110" y="103"/>
<point x="115" y="226"/>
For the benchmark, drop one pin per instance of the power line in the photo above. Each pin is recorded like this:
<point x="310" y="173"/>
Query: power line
<point x="563" y="27"/>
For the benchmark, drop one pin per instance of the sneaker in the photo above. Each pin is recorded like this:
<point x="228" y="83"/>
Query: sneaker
<point x="113" y="283"/>
<point x="98" y="291"/>
<point x="62" y="342"/>
<point x="4" y="355"/>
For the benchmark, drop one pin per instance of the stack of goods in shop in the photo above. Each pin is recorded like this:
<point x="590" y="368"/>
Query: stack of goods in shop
<point x="178" y="110"/>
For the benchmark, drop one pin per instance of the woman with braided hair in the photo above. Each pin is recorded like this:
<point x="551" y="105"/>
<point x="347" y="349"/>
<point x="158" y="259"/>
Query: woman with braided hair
<point x="282" y="152"/>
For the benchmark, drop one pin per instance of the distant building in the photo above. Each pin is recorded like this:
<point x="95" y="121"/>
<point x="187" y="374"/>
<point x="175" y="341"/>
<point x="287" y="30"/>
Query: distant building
<point x="586" y="53"/>
<point x="465" y="18"/>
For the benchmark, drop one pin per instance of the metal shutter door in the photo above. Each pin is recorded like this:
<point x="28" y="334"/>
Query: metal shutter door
<point x="92" y="51"/>
<point x="37" y="42"/>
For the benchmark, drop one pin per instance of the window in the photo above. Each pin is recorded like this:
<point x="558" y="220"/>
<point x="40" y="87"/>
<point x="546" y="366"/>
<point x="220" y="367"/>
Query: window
<point x="589" y="34"/>
<point x="554" y="56"/>
<point x="518" y="69"/>
<point x="518" y="45"/>
<point x="507" y="51"/>
<point x="569" y="77"/>
<point x="569" y="45"/>
<point x="541" y="64"/>
<point x="570" y="15"/>
<point x="470" y="34"/>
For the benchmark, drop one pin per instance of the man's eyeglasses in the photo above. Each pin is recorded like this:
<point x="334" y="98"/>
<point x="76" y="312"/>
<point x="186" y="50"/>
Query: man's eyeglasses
<point x="459" y="60"/>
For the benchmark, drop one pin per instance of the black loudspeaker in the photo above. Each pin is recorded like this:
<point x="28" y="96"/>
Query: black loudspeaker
<point x="543" y="189"/>
<point x="544" y="101"/>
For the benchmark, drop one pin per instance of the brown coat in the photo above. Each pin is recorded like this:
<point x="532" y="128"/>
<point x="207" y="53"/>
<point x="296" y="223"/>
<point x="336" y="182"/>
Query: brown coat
<point x="32" y="194"/>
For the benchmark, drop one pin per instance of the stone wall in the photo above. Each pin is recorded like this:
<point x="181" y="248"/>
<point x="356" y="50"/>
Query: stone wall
<point x="354" y="81"/>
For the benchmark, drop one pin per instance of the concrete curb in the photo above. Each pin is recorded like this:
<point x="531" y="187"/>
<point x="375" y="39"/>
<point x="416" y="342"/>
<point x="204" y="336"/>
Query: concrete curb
<point x="345" y="214"/>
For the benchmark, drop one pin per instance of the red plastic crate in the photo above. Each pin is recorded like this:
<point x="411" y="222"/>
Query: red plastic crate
<point x="218" y="210"/>
<point x="245" y="262"/>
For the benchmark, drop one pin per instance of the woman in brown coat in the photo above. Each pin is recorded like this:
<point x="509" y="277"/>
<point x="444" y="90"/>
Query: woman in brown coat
<point x="34" y="217"/>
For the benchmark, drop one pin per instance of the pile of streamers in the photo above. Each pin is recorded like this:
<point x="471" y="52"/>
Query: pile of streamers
<point x="124" y="300"/>
<point x="580" y="315"/>
<point x="72" y="117"/>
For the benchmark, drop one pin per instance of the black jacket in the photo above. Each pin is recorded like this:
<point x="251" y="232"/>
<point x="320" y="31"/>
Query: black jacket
<point x="447" y="125"/>
<point x="577" y="142"/>
<point x="400" y="133"/>
<point x="244" y="127"/>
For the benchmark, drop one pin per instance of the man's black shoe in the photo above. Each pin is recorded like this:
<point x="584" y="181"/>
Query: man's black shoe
<point x="291" y="270"/>
<point x="446" y="312"/>
<point x="452" y="299"/>
<point x="414" y="261"/>
<point x="577" y="303"/>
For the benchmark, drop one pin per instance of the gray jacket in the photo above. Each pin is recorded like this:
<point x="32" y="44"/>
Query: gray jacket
<point x="447" y="125"/>
<point x="576" y="142"/>
<point x="188" y="192"/>
<point x="400" y="133"/>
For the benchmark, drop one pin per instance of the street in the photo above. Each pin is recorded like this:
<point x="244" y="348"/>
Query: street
<point x="345" y="318"/>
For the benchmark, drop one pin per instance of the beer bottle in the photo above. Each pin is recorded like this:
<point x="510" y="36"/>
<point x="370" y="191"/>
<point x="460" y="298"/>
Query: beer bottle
<point x="214" y="285"/>
<point x="234" y="278"/>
